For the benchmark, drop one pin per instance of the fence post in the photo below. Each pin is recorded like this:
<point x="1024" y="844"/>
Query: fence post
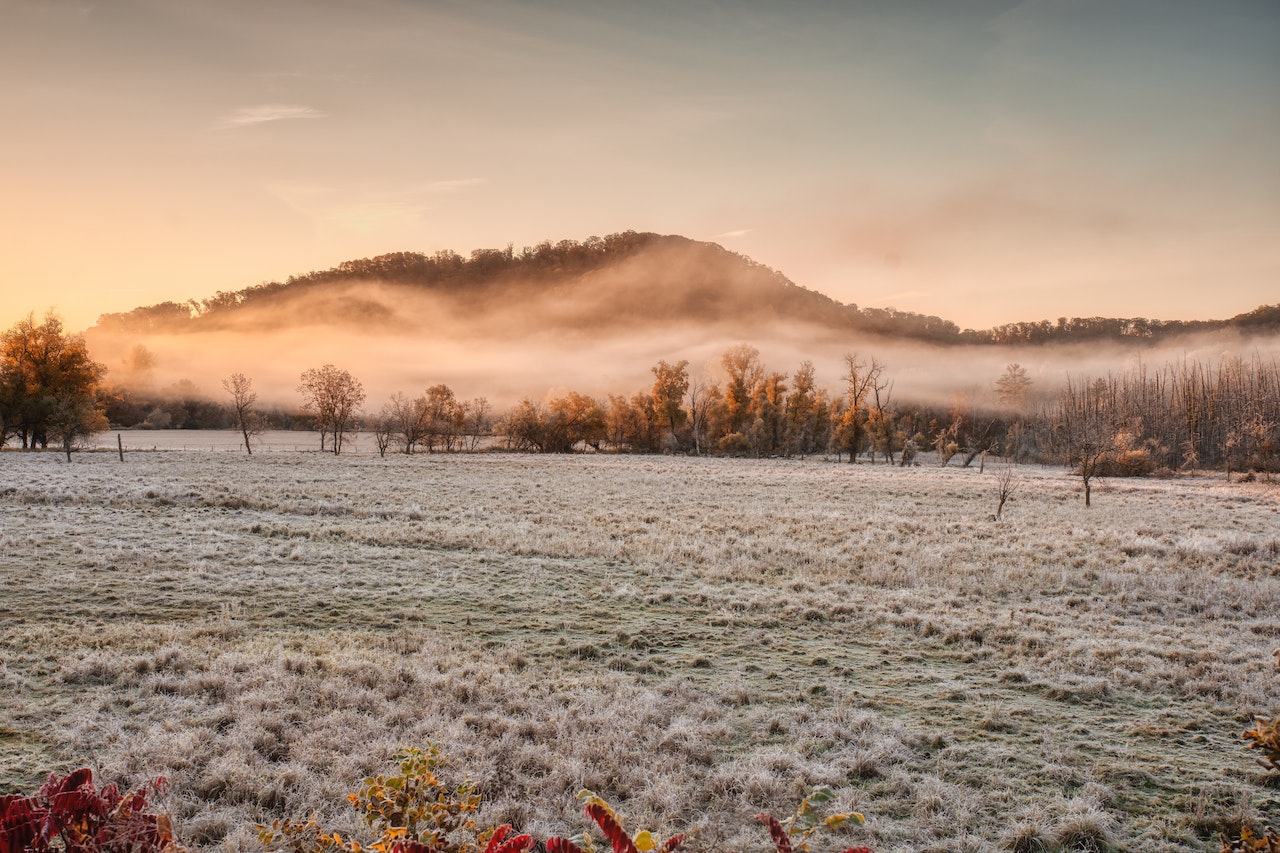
<point x="120" y="446"/>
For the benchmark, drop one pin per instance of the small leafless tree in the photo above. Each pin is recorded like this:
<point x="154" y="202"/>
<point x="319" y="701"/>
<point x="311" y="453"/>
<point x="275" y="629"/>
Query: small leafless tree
<point x="383" y="427"/>
<point x="477" y="420"/>
<point x="243" y="398"/>
<point x="1006" y="485"/>
<point x="407" y="420"/>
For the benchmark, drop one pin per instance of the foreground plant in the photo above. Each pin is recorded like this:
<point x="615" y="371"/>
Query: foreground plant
<point x="70" y="815"/>
<point x="1264" y="736"/>
<point x="413" y="811"/>
<point x="611" y="825"/>
<point x="792" y="834"/>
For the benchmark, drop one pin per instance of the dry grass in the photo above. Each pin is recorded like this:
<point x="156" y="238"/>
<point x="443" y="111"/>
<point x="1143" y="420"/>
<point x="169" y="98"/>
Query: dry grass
<point x="696" y="640"/>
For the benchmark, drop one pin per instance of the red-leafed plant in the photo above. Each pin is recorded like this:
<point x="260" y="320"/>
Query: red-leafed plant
<point x="792" y="834"/>
<point x="70" y="815"/>
<point x="605" y="817"/>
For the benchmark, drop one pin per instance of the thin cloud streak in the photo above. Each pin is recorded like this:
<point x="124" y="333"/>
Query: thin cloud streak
<point x="265" y="113"/>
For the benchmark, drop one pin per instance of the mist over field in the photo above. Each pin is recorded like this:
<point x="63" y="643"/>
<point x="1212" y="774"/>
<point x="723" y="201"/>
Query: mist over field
<point x="592" y="318"/>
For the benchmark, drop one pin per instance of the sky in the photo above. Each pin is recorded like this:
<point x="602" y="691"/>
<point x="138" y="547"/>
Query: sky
<point x="981" y="160"/>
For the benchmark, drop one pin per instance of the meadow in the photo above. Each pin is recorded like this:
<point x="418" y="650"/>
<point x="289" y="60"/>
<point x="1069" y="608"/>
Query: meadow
<point x="694" y="639"/>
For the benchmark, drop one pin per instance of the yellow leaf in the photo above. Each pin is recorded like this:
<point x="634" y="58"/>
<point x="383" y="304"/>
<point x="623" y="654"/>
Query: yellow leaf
<point x="644" y="841"/>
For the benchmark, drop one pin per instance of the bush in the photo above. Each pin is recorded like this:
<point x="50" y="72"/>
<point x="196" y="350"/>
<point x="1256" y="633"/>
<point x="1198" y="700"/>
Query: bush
<point x="69" y="815"/>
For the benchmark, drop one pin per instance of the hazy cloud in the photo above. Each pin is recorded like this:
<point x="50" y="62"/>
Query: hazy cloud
<point x="265" y="113"/>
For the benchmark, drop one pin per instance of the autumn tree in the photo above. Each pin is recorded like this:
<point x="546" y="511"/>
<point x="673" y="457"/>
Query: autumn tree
<point x="863" y="379"/>
<point x="48" y="384"/>
<point x="671" y="383"/>
<point x="334" y="397"/>
<point x="802" y="411"/>
<point x="572" y="420"/>
<point x="243" y="398"/>
<point x="444" y="418"/>
<point x="768" y="405"/>
<point x="743" y="373"/>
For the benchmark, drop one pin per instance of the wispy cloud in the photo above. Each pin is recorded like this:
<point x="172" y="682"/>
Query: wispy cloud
<point x="741" y="232"/>
<point x="264" y="113"/>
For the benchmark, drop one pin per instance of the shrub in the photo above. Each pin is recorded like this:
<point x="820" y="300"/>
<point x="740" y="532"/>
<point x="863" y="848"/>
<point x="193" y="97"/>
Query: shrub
<point x="414" y="811"/>
<point x="69" y="815"/>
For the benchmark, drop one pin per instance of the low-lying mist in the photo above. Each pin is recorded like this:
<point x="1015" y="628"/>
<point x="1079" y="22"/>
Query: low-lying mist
<point x="595" y="338"/>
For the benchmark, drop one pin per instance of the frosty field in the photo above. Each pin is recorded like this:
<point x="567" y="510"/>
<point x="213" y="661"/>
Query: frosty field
<point x="694" y="639"/>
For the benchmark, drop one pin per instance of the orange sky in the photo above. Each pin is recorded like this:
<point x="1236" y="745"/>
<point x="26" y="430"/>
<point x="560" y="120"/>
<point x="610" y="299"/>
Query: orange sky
<point x="983" y="161"/>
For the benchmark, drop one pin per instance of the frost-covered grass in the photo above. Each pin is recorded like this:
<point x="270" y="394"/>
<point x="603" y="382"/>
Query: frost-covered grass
<point x="694" y="639"/>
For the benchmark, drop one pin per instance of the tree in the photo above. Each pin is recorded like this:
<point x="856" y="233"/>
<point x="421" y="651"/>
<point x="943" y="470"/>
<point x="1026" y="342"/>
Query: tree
<point x="862" y="379"/>
<point x="1085" y="428"/>
<point x="243" y="398"/>
<point x="1013" y="387"/>
<point x="444" y="418"/>
<point x="48" y="384"/>
<point x="477" y="421"/>
<point x="72" y="416"/>
<point x="333" y="396"/>
<point x="801" y="411"/>
<point x="407" y="420"/>
<point x="573" y="419"/>
<point x="742" y="365"/>
<point x="704" y="396"/>
<point x="671" y="383"/>
<point x="523" y="427"/>
<point x="384" y="429"/>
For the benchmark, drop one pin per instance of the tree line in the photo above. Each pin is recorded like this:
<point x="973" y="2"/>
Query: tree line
<point x="1181" y="416"/>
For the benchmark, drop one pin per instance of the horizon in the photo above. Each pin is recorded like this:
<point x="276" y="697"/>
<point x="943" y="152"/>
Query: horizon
<point x="987" y="162"/>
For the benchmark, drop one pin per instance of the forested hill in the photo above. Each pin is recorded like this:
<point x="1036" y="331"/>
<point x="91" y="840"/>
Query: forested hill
<point x="628" y="280"/>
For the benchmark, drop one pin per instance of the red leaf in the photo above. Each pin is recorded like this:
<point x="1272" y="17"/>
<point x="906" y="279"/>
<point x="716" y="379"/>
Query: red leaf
<point x="495" y="840"/>
<point x="556" y="844"/>
<point x="779" y="835"/>
<point x="671" y="844"/>
<point x="618" y="837"/>
<point x="20" y="819"/>
<point x="519" y="844"/>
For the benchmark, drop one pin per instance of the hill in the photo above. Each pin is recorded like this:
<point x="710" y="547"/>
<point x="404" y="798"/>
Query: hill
<point x="623" y="281"/>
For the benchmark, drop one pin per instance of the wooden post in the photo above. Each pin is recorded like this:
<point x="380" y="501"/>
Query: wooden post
<point x="120" y="446"/>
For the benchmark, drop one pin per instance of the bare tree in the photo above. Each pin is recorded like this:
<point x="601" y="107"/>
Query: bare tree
<point x="1085" y="426"/>
<point x="333" y="396"/>
<point x="1006" y="484"/>
<point x="477" y="420"/>
<point x="243" y="398"/>
<point x="407" y="419"/>
<point x="384" y="429"/>
<point x="703" y="395"/>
